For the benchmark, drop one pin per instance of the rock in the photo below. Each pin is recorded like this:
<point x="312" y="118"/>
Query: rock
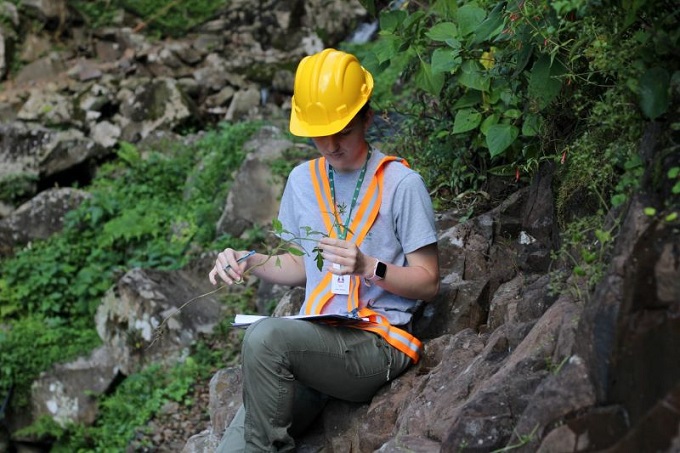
<point x="42" y="70"/>
<point x="593" y="431"/>
<point x="254" y="195"/>
<point x="203" y="442"/>
<point x="105" y="134"/>
<point x="38" y="218"/>
<point x="49" y="108"/>
<point x="85" y="70"/>
<point x="68" y="393"/>
<point x="126" y="87"/>
<point x="158" y="104"/>
<point x="46" y="10"/>
<point x="539" y="227"/>
<point x="33" y="48"/>
<point x="225" y="397"/>
<point x="19" y="151"/>
<point x="29" y="152"/>
<point x="225" y="400"/>
<point x="9" y="11"/>
<point x="657" y="430"/>
<point x="243" y="103"/>
<point x="66" y="150"/>
<point x="154" y="316"/>
<point x="107" y="51"/>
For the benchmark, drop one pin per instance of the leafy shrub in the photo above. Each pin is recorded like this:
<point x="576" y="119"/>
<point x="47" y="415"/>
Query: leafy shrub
<point x="499" y="87"/>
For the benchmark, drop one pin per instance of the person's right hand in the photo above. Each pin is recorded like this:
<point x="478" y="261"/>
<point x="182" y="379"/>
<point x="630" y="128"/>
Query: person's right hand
<point x="227" y="268"/>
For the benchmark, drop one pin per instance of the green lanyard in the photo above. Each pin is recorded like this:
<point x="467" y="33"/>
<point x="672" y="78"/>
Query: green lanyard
<point x="342" y="230"/>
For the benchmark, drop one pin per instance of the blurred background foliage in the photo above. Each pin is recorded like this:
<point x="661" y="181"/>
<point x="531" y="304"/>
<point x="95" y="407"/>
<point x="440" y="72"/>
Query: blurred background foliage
<point x="159" y="18"/>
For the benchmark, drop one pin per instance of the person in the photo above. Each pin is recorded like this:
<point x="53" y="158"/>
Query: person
<point x="379" y="237"/>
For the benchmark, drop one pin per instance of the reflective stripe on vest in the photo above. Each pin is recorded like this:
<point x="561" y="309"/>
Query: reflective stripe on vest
<point x="399" y="338"/>
<point x="358" y="229"/>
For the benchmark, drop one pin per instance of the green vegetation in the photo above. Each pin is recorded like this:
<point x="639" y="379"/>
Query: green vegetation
<point x="150" y="210"/>
<point x="497" y="88"/>
<point x="138" y="398"/>
<point x="132" y="405"/>
<point x="15" y="187"/>
<point x="483" y="90"/>
<point x="161" y="18"/>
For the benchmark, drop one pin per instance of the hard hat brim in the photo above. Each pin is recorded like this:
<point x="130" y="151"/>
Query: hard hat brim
<point x="303" y="129"/>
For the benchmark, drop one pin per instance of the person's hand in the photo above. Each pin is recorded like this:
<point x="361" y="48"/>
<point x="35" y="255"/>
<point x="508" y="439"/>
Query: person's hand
<point x="228" y="268"/>
<point x="346" y="256"/>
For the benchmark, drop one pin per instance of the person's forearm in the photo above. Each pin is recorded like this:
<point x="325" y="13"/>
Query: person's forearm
<point x="412" y="282"/>
<point x="285" y="269"/>
<point x="418" y="280"/>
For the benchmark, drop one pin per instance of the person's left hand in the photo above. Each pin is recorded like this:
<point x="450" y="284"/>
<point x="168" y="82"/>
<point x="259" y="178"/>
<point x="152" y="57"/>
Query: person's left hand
<point x="346" y="255"/>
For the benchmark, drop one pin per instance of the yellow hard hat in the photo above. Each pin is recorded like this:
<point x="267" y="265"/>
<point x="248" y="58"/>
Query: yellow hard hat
<point x="330" y="88"/>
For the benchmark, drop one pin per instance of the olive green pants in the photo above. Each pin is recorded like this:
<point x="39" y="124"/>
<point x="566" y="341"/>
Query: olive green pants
<point x="291" y="367"/>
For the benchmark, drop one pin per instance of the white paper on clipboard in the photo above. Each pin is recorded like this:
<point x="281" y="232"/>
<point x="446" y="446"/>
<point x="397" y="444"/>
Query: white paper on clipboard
<point x="241" y="320"/>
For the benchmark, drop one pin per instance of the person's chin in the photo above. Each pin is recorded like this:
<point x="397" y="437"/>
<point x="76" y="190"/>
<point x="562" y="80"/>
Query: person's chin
<point x="336" y="159"/>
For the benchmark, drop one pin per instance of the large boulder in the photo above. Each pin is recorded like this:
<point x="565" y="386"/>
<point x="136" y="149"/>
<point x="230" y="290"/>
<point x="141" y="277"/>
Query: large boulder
<point x="254" y="195"/>
<point x="68" y="393"/>
<point x="30" y="153"/>
<point x="154" y="317"/>
<point x="154" y="104"/>
<point x="38" y="218"/>
<point x="47" y="107"/>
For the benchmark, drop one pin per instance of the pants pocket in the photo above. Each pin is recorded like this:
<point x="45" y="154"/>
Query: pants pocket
<point x="367" y="355"/>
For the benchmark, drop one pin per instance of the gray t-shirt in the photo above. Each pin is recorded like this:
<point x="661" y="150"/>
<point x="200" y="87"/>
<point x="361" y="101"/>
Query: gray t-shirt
<point x="404" y="224"/>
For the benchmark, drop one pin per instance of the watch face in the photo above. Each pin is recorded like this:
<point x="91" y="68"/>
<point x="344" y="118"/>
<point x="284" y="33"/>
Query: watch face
<point x="380" y="270"/>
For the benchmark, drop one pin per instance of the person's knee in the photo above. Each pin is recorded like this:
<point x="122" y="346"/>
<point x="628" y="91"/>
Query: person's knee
<point x="263" y="337"/>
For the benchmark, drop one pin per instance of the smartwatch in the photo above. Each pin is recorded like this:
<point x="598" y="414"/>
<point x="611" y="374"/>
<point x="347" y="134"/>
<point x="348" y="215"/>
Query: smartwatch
<point x="379" y="271"/>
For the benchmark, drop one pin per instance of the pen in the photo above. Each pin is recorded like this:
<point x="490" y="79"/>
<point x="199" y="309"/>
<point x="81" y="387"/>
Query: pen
<point x="243" y="258"/>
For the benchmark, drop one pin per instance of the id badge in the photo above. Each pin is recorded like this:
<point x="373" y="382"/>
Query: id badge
<point x="340" y="283"/>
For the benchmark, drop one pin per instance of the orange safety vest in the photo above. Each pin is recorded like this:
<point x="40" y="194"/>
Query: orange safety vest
<point x="358" y="229"/>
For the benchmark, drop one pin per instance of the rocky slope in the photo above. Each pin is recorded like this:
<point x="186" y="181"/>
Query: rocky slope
<point x="519" y="354"/>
